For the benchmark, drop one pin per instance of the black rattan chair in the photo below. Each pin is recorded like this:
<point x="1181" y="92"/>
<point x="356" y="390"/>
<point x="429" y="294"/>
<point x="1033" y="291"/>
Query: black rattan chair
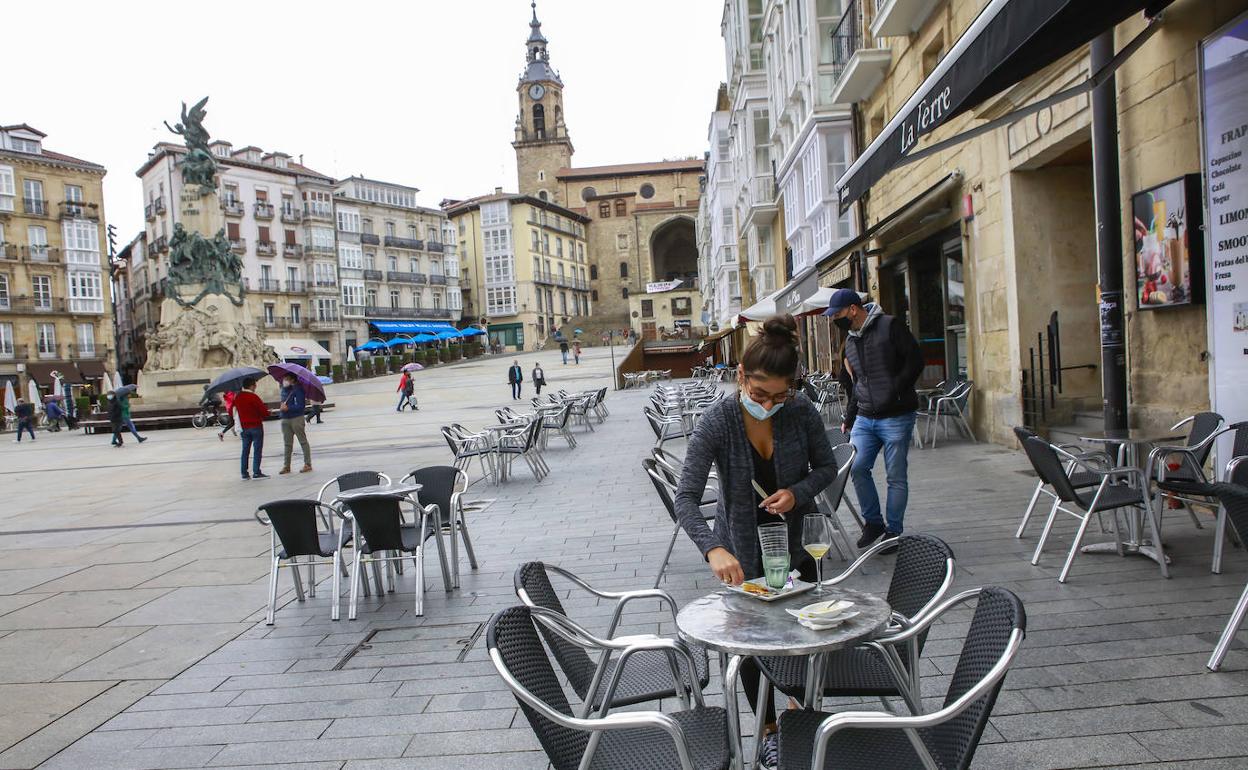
<point x="922" y="575"/>
<point x="444" y="486"/>
<point x="647" y="676"/>
<point x="664" y="483"/>
<point x="295" y="532"/>
<point x="699" y="738"/>
<point x="830" y="499"/>
<point x="378" y="527"/>
<point x="1234" y="500"/>
<point x="1078" y="479"/>
<point x="946" y="738"/>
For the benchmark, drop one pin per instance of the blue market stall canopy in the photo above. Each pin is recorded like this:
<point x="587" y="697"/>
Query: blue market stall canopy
<point x="1009" y="41"/>
<point x="371" y="345"/>
<point x="449" y="334"/>
<point x="410" y="327"/>
<point x="471" y="331"/>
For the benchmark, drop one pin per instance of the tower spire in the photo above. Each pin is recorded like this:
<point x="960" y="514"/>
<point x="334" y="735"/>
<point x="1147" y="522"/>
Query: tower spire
<point x="537" y="59"/>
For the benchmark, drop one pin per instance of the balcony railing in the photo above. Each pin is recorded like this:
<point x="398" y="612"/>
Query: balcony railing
<point x="543" y="277"/>
<point x="437" y="279"/>
<point x="266" y="248"/>
<point x="292" y="250"/>
<point x="263" y="210"/>
<point x="267" y="284"/>
<point x="232" y="208"/>
<point x="79" y="210"/>
<point x="33" y="305"/>
<point x="370" y="239"/>
<point x="312" y="248"/>
<point x="372" y="275"/>
<point x="42" y="253"/>
<point x="48" y="352"/>
<point x="291" y="216"/>
<point x="323" y="320"/>
<point x="11" y="352"/>
<point x="87" y="352"/>
<point x="318" y="211"/>
<point x="282" y="322"/>
<point x="404" y="243"/>
<point x="325" y="283"/>
<point x="9" y="251"/>
<point x="400" y="277"/>
<point x="238" y="245"/>
<point x="846" y="38"/>
<point x="296" y="287"/>
<point x="160" y="245"/>
<point x="353" y="311"/>
<point x="36" y="206"/>
<point x="434" y="246"/>
<point x="158" y="205"/>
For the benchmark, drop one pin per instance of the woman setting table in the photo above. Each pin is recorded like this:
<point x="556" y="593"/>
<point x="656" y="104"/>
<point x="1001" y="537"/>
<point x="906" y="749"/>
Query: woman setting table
<point x="771" y="439"/>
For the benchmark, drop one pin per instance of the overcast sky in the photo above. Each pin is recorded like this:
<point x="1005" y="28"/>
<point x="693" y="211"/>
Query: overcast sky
<point x="421" y="93"/>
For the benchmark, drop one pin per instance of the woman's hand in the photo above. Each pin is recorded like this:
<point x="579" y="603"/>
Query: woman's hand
<point x="725" y="566"/>
<point x="780" y="503"/>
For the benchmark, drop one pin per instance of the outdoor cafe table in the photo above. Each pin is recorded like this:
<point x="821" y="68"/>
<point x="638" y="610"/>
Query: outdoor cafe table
<point x="740" y="626"/>
<point x="405" y="488"/>
<point x="1130" y="442"/>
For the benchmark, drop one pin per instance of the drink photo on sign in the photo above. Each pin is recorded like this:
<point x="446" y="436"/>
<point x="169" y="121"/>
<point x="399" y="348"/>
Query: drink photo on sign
<point x="1168" y="263"/>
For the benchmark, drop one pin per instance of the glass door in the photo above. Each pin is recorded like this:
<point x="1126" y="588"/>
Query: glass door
<point x="955" y="308"/>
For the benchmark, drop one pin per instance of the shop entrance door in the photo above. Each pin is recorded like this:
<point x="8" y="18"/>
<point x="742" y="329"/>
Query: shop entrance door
<point x="649" y="331"/>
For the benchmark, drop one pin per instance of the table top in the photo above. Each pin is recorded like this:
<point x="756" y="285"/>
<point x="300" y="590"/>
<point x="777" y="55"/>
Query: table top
<point x="393" y="488"/>
<point x="730" y="622"/>
<point x="1130" y="435"/>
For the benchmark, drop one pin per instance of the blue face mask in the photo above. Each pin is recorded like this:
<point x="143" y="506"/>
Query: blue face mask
<point x="756" y="409"/>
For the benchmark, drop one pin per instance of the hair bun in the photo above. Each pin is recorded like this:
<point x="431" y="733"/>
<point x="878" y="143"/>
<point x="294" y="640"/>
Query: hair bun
<point x="780" y="330"/>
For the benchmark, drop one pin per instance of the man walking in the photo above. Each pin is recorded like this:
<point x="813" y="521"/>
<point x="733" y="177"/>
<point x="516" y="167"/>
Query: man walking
<point x="882" y="363"/>
<point x="25" y="414"/>
<point x="515" y="376"/>
<point x="116" y="419"/>
<point x="251" y="413"/>
<point x="124" y="399"/>
<point x="539" y="378"/>
<point x="563" y="350"/>
<point x="294" y="404"/>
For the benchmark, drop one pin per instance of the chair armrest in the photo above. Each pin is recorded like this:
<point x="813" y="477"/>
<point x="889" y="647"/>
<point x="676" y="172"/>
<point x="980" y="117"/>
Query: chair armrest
<point x="862" y="558"/>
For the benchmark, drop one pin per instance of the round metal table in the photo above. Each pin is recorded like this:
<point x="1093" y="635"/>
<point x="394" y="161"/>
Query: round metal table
<point x="739" y="626"/>
<point x="450" y="572"/>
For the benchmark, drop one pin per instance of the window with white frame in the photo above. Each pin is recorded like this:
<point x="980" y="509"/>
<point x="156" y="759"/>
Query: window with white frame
<point x="6" y="339"/>
<point x="85" y="337"/>
<point x="764" y="246"/>
<point x="454" y="300"/>
<point x="351" y="256"/>
<point x="296" y="315"/>
<point x="37" y="238"/>
<point x="4" y="292"/>
<point x="723" y="145"/>
<point x="348" y="220"/>
<point x="326" y="274"/>
<point x="451" y="265"/>
<point x="437" y="300"/>
<point x="8" y="188"/>
<point x="500" y="300"/>
<point x="322" y="237"/>
<point x="86" y="293"/>
<point x="811" y="176"/>
<point x="821" y="229"/>
<point x="353" y="294"/>
<point x="497" y="240"/>
<point x="494" y="213"/>
<point x="326" y="309"/>
<point x="46" y="336"/>
<point x="837" y="157"/>
<point x="82" y="242"/>
<point x="792" y="205"/>
<point x="41" y="290"/>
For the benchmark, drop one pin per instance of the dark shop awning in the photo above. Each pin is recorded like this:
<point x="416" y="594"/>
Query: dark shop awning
<point x="1009" y="41"/>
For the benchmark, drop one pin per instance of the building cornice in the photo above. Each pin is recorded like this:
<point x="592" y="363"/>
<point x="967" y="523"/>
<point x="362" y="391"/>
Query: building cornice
<point x="46" y="160"/>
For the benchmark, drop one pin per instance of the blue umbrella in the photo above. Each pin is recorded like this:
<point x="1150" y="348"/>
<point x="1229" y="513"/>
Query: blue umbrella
<point x="450" y="334"/>
<point x="394" y="343"/>
<point x="371" y="345"/>
<point x="325" y="380"/>
<point x="471" y="331"/>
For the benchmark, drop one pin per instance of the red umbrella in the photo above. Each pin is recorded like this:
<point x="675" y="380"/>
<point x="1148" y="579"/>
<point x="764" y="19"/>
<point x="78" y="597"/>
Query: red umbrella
<point x="312" y="387"/>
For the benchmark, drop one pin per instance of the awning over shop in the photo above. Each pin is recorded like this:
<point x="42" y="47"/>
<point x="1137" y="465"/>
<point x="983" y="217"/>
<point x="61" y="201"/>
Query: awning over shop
<point x="719" y="335"/>
<point x="803" y="285"/>
<point x="1009" y="41"/>
<point x="42" y="372"/>
<point x="91" y="370"/>
<point x="408" y="327"/>
<point x="763" y="309"/>
<point x="293" y="347"/>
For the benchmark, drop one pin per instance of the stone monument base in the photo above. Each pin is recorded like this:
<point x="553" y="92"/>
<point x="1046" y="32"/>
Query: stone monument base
<point x="185" y="388"/>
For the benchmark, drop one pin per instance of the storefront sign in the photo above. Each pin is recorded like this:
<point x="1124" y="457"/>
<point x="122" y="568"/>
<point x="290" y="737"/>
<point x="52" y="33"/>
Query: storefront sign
<point x="1224" y="102"/>
<point x="1169" y="252"/>
<point x="837" y="275"/>
<point x="661" y="286"/>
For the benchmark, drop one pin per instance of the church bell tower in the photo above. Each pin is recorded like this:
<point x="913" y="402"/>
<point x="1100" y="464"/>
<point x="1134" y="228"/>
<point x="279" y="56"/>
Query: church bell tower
<point x="542" y="143"/>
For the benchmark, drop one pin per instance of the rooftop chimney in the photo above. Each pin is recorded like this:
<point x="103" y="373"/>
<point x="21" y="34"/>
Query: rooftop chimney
<point x="498" y="191"/>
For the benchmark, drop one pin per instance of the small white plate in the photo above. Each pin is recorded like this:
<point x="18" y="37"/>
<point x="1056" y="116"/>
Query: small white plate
<point x="821" y="610"/>
<point x="824" y="625"/>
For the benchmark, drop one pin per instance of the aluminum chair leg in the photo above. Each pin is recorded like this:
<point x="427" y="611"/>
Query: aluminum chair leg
<point x="1074" y="548"/>
<point x="1228" y="633"/>
<point x="1035" y="495"/>
<point x="352" y="605"/>
<point x="463" y="532"/>
<point x="268" y="620"/>
<point x="1154" y="523"/>
<point x="667" y="556"/>
<point x="311" y="577"/>
<point x="294" y="571"/>
<point x="420" y="570"/>
<point x="1219" y="540"/>
<point x="334" y="609"/>
<point x="441" y="545"/>
<point x="1048" y="526"/>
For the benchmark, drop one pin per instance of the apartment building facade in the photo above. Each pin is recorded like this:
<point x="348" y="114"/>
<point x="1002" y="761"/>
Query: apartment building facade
<point x="55" y="302"/>
<point x="397" y="260"/>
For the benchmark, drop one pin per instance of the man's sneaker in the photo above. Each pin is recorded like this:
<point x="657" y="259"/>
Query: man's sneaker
<point x="142" y="439"/>
<point x="246" y="477"/>
<point x="870" y="533"/>
<point x="889" y="548"/>
<point x="769" y="751"/>
<point x="259" y="475"/>
<point x="284" y="471"/>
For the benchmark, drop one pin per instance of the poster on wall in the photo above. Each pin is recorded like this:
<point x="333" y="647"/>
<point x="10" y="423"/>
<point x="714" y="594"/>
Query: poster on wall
<point x="1224" y="105"/>
<point x="1169" y="266"/>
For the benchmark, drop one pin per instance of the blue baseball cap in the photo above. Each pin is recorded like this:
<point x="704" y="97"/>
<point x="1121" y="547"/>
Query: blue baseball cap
<point x="841" y="299"/>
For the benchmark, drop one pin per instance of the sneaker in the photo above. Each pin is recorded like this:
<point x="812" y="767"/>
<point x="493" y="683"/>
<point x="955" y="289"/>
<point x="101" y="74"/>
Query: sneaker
<point x="283" y="471"/>
<point x="870" y="533"/>
<point x="142" y="439"/>
<point x="889" y="548"/>
<point x="259" y="475"/>
<point x="220" y="437"/>
<point x="246" y="477"/>
<point x="306" y="469"/>
<point x="769" y="751"/>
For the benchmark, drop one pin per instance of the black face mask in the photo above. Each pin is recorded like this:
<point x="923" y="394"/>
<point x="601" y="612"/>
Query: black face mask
<point x="843" y="324"/>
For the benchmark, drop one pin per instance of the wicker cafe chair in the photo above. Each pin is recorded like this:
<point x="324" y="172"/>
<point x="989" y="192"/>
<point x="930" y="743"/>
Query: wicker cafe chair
<point x="832" y="495"/>
<point x="922" y="576"/>
<point x="1078" y="479"/>
<point x="837" y="437"/>
<point x="378" y="528"/>
<point x="1234" y="500"/>
<point x="947" y="738"/>
<point x="295" y="532"/>
<point x="443" y="486"/>
<point x="1174" y="483"/>
<point x="345" y="482"/>
<point x="694" y="739"/>
<point x="665" y="484"/>
<point x="645" y="677"/>
<point x="466" y="445"/>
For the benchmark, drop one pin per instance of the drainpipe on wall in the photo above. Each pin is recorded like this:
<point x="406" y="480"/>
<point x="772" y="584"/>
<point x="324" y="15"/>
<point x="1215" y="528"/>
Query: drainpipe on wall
<point x="1108" y="196"/>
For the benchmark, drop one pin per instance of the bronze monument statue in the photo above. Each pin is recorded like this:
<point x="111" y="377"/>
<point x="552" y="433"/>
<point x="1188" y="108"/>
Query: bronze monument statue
<point x="198" y="167"/>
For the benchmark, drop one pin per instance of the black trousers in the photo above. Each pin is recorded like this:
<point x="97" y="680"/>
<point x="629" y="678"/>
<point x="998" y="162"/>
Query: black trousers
<point x="750" y="672"/>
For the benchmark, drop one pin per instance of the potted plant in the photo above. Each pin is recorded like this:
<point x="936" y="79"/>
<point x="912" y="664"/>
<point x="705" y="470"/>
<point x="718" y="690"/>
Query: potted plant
<point x="336" y="372"/>
<point x="351" y="369"/>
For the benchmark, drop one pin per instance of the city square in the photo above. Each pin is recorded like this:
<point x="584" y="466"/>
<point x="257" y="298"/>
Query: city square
<point x="862" y="389"/>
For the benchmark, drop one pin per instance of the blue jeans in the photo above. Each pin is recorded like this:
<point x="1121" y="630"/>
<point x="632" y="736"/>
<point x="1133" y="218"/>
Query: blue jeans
<point x="253" y="441"/>
<point x="515" y="390"/>
<point x="565" y="356"/>
<point x="25" y="425"/>
<point x="402" y="401"/>
<point x="129" y="423"/>
<point x="893" y="435"/>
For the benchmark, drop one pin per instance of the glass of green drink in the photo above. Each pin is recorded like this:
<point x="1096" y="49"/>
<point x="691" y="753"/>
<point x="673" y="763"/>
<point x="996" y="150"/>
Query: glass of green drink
<point x="774" y="539"/>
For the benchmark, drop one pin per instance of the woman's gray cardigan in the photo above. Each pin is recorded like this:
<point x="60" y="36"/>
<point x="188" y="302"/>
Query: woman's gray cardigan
<point x="804" y="465"/>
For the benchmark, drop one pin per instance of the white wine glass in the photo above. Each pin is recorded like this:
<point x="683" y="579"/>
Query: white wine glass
<point x="816" y="539"/>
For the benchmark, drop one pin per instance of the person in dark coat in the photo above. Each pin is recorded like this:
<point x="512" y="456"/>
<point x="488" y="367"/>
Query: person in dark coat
<point x="539" y="378"/>
<point x="116" y="418"/>
<point x="563" y="350"/>
<point x="25" y="414"/>
<point x="515" y="376"/>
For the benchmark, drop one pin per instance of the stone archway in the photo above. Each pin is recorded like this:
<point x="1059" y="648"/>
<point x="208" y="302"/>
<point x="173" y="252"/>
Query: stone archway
<point x="674" y="250"/>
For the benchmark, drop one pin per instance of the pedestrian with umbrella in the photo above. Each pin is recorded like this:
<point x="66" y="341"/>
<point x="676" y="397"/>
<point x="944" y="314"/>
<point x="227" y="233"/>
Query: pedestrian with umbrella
<point x="407" y="391"/>
<point x="251" y="412"/>
<point x="52" y="408"/>
<point x="298" y="384"/>
<point x="116" y="419"/>
<point x="576" y="351"/>
<point x="123" y="395"/>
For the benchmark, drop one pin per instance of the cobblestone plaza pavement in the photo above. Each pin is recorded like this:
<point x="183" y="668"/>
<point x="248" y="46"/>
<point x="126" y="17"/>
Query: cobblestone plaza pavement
<point x="132" y="586"/>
